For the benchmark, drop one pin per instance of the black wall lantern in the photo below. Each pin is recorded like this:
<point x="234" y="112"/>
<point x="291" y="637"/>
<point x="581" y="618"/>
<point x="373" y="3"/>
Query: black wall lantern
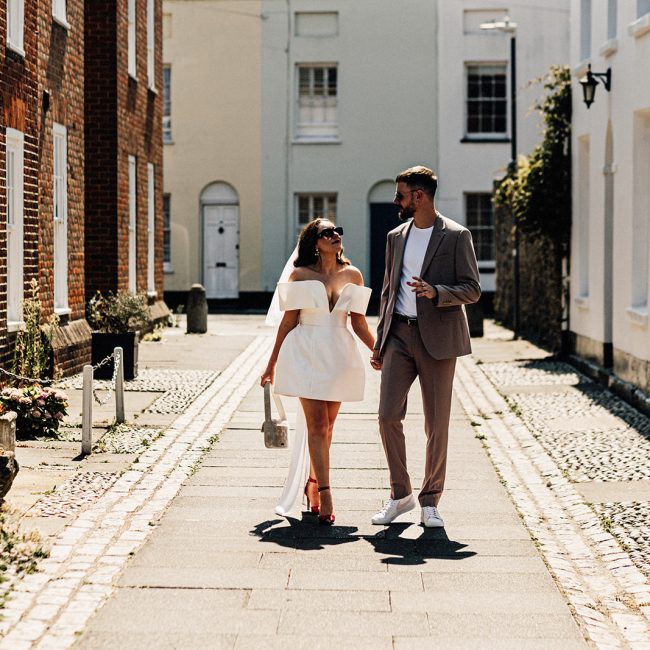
<point x="590" y="81"/>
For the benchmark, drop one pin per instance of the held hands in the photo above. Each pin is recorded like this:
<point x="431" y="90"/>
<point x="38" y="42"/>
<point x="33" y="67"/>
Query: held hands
<point x="375" y="360"/>
<point x="422" y="289"/>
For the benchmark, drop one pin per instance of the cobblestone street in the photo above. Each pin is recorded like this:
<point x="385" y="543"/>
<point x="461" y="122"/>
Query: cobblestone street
<point x="175" y="544"/>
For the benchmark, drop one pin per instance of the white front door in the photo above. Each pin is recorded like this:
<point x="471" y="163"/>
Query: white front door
<point x="221" y="251"/>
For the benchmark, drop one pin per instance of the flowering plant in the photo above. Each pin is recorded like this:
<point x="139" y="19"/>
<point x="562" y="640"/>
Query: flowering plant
<point x="39" y="410"/>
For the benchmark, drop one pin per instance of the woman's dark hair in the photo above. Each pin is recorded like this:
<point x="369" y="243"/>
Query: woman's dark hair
<point x="307" y="245"/>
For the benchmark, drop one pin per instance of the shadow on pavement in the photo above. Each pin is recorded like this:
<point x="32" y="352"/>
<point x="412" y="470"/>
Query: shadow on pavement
<point x="305" y="534"/>
<point x="433" y="543"/>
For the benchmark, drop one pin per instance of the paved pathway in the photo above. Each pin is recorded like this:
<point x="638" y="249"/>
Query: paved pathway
<point x="220" y="570"/>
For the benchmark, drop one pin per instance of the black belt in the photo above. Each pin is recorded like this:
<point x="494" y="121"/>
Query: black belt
<point x="405" y="319"/>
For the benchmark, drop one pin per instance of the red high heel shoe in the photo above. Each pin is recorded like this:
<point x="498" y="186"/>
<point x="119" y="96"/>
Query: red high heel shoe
<point x="325" y="520"/>
<point x="314" y="509"/>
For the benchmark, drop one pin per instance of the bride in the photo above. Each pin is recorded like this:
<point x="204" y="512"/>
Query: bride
<point x="316" y="358"/>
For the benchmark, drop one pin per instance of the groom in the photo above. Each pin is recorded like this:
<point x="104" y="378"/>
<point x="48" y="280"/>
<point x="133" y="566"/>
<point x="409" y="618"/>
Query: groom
<point x="431" y="271"/>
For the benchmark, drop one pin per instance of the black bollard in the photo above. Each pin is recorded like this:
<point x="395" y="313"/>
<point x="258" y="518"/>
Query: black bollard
<point x="197" y="310"/>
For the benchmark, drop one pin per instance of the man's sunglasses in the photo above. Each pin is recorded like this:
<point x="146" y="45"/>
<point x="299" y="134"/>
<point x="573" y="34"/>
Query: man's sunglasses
<point x="329" y="232"/>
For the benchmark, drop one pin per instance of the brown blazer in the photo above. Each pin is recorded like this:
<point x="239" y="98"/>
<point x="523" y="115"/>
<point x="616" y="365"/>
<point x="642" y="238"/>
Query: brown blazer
<point x="449" y="265"/>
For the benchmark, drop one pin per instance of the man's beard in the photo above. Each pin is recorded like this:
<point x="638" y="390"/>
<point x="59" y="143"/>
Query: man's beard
<point x="406" y="213"/>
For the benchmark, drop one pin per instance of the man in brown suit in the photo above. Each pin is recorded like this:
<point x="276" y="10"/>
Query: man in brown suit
<point x="431" y="271"/>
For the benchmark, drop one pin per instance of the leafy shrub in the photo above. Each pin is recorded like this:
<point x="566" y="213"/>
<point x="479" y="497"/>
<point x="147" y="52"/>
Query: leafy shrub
<point x="117" y="313"/>
<point x="39" y="410"/>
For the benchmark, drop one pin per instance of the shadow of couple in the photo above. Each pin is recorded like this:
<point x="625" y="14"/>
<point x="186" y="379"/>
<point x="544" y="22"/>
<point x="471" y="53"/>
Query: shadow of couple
<point x="389" y="541"/>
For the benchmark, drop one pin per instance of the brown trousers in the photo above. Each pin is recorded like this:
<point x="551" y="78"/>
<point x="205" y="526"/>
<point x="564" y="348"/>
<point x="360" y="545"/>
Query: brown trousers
<point x="406" y="358"/>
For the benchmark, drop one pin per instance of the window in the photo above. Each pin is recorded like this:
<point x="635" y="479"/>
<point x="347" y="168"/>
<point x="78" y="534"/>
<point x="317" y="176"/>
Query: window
<point x="585" y="29"/>
<point x="317" y="102"/>
<point x="151" y="44"/>
<point x="131" y="38"/>
<point x="16" y="25"/>
<point x="314" y="206"/>
<point x="167" y="104"/>
<point x="612" y="13"/>
<point x="642" y="8"/>
<point x="479" y="218"/>
<point x="59" y="12"/>
<point x="133" y="213"/>
<point x="15" y="143"/>
<point x="151" y="229"/>
<point x="486" y="101"/>
<point x="60" y="219"/>
<point x="167" y="233"/>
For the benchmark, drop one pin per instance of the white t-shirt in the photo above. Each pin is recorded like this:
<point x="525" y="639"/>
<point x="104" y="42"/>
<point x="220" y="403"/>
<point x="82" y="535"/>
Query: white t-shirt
<point x="416" y="248"/>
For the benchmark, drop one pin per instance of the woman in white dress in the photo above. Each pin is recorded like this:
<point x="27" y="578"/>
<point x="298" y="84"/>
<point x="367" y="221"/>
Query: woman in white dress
<point x="315" y="356"/>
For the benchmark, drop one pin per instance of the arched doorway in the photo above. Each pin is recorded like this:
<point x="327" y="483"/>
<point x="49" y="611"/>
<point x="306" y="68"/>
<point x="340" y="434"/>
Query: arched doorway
<point x="383" y="218"/>
<point x="608" y="282"/>
<point x="220" y="258"/>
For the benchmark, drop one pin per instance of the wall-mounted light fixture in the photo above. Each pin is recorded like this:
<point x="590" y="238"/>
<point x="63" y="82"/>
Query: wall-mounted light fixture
<point x="590" y="81"/>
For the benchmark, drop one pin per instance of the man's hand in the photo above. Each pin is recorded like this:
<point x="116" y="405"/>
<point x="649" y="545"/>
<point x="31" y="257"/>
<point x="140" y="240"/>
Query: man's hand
<point x="375" y="360"/>
<point x="422" y="289"/>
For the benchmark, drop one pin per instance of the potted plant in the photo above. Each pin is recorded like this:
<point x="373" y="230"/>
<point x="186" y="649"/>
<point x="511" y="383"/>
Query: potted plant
<point x="38" y="410"/>
<point x="116" y="319"/>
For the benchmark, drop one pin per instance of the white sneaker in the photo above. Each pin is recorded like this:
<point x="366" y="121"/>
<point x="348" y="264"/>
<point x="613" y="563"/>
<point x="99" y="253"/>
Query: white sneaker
<point x="431" y="517"/>
<point x="393" y="508"/>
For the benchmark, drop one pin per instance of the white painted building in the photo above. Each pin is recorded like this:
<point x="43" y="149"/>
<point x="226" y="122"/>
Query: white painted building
<point x="291" y="109"/>
<point x="610" y="270"/>
<point x="475" y="111"/>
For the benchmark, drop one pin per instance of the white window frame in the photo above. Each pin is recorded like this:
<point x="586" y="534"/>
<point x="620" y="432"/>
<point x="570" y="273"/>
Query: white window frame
<point x="151" y="229"/>
<point x="585" y="30"/>
<point x="60" y="214"/>
<point x="309" y="128"/>
<point x="487" y="135"/>
<point x="133" y="225"/>
<point x="151" y="44"/>
<point x="167" y="104"/>
<point x="59" y="13"/>
<point x="16" y="26"/>
<point x="131" y="38"/>
<point x="15" y="182"/>
<point x="330" y="206"/>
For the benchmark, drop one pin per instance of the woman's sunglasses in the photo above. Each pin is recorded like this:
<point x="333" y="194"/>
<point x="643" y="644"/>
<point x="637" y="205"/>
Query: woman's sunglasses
<point x="329" y="232"/>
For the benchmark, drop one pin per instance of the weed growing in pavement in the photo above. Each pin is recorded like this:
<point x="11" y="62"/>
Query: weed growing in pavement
<point x="480" y="436"/>
<point x="19" y="551"/>
<point x="607" y="524"/>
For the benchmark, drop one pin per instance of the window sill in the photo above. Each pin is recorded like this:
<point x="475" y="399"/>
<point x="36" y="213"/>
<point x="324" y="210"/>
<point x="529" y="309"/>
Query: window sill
<point x="487" y="266"/>
<point x="480" y="139"/>
<point x="133" y="77"/>
<point x="581" y="69"/>
<point x="61" y="21"/>
<point x="168" y="141"/>
<point x="316" y="140"/>
<point x="16" y="48"/>
<point x="153" y="90"/>
<point x="62" y="311"/>
<point x="638" y="316"/>
<point x="168" y="269"/>
<point x="608" y="48"/>
<point x="639" y="27"/>
<point x="15" y="325"/>
<point x="152" y="294"/>
<point x="582" y="302"/>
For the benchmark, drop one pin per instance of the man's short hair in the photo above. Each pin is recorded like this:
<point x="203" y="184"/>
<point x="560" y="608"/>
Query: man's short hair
<point x="421" y="178"/>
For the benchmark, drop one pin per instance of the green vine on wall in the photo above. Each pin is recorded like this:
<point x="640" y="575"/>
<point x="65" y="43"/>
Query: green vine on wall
<point x="538" y="194"/>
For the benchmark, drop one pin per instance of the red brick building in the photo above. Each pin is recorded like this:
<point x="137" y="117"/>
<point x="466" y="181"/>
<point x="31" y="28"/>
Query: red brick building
<point x="124" y="231"/>
<point x="80" y="161"/>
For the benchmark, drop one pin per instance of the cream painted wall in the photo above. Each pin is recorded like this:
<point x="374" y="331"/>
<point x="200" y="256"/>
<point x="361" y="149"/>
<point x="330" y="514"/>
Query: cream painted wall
<point x="213" y="47"/>
<point x="628" y="55"/>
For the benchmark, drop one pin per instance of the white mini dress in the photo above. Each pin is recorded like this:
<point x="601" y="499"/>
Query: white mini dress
<point x="319" y="359"/>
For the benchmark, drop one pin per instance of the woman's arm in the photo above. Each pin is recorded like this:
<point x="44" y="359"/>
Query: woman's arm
<point x="289" y="321"/>
<point x="361" y="329"/>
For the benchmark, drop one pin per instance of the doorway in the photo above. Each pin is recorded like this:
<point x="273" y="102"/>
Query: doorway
<point x="220" y="217"/>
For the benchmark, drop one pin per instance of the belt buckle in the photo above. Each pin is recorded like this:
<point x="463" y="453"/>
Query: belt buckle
<point x="411" y="322"/>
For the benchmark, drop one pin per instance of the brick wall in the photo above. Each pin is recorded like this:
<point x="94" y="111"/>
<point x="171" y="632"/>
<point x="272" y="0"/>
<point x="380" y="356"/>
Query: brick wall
<point x="129" y="116"/>
<point x="61" y="86"/>
<point x="19" y="109"/>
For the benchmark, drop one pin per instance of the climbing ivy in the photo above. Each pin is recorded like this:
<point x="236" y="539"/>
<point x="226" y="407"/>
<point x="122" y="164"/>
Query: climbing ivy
<point x="538" y="192"/>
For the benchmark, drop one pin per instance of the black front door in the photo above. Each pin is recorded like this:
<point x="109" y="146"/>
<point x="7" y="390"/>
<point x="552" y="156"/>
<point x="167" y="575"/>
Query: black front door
<point x="383" y="218"/>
